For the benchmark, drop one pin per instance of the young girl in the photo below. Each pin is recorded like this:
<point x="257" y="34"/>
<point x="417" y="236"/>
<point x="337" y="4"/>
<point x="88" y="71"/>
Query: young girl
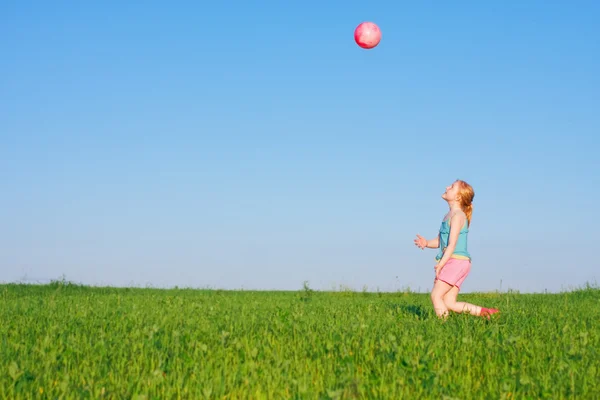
<point x="453" y="259"/>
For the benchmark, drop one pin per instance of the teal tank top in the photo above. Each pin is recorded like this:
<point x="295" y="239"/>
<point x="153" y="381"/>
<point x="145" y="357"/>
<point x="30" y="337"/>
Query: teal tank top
<point x="460" y="251"/>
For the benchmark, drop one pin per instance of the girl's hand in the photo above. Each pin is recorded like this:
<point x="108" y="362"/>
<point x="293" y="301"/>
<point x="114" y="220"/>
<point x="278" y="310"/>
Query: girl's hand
<point x="438" y="269"/>
<point x="420" y="242"/>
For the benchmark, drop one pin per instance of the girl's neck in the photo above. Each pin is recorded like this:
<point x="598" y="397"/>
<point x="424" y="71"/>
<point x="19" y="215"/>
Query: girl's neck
<point x="454" y="207"/>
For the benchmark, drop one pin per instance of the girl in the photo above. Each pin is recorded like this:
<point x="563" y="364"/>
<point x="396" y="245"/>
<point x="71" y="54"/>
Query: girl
<point x="453" y="259"/>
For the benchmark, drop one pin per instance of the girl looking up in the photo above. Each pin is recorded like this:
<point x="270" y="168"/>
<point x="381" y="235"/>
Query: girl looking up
<point x="453" y="259"/>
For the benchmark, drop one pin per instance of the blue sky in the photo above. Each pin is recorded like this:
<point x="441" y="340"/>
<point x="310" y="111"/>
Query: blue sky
<point x="253" y="144"/>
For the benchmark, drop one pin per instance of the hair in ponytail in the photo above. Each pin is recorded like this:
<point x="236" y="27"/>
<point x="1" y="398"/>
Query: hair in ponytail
<point x="466" y="194"/>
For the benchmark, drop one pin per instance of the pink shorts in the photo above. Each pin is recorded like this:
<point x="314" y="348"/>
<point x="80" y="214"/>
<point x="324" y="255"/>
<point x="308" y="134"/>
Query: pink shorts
<point x="455" y="271"/>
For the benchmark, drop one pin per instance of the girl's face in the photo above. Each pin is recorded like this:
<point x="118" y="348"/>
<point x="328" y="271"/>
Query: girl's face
<point x="451" y="193"/>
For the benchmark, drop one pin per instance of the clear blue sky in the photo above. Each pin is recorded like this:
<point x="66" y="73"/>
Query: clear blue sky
<point x="254" y="145"/>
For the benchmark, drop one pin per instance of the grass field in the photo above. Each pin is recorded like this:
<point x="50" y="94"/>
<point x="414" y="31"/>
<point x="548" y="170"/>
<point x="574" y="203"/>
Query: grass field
<point x="67" y="341"/>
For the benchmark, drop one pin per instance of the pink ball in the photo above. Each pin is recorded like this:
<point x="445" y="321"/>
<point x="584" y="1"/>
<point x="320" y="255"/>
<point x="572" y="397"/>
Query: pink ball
<point x="367" y="35"/>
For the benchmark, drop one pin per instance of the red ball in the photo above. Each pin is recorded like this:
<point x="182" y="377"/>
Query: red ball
<point x="367" y="35"/>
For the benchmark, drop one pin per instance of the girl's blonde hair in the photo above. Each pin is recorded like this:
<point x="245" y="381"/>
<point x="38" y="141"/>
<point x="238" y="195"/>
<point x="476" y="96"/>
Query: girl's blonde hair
<point x="466" y="194"/>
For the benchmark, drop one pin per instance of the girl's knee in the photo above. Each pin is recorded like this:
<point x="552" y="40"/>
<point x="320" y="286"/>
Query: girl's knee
<point x="437" y="298"/>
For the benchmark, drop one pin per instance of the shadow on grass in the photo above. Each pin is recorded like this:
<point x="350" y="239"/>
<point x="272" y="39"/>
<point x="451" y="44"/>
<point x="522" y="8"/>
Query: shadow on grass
<point x="411" y="309"/>
<point x="418" y="311"/>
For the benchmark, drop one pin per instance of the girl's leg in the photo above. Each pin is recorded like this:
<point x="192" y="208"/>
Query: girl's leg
<point x="459" y="307"/>
<point x="440" y="289"/>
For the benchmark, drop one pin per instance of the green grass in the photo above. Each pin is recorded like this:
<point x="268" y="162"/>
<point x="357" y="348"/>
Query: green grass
<point x="68" y="341"/>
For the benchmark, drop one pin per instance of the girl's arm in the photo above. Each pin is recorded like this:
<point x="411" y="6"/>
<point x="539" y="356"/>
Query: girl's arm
<point x="456" y="223"/>
<point x="433" y="243"/>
